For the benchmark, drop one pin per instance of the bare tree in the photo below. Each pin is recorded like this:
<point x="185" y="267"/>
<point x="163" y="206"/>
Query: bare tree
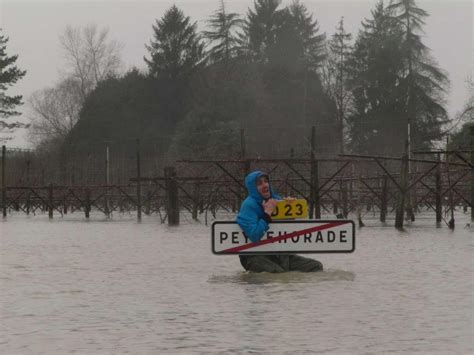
<point x="55" y="111"/>
<point x="90" y="56"/>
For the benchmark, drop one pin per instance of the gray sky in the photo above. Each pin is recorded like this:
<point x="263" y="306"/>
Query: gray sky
<point x="34" y="26"/>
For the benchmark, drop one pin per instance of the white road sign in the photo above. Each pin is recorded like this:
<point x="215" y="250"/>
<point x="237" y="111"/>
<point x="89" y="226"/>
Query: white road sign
<point x="285" y="237"/>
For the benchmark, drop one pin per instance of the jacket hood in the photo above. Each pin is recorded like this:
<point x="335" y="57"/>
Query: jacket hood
<point x="251" y="185"/>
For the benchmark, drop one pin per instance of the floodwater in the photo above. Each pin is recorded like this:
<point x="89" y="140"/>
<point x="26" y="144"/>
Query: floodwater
<point x="70" y="285"/>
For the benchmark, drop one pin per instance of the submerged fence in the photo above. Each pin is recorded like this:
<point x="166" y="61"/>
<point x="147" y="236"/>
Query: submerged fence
<point x="441" y="181"/>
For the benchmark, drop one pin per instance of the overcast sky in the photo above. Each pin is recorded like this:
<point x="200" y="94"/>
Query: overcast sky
<point x="34" y="26"/>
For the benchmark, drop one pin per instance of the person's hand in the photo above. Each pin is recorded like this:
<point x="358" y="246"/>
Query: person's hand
<point x="269" y="206"/>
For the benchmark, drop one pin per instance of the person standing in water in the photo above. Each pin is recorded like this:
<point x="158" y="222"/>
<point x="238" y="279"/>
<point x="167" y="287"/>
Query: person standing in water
<point x="254" y="218"/>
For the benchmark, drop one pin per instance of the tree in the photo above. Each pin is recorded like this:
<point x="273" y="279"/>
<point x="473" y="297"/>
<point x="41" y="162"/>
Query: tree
<point x="287" y="36"/>
<point x="120" y="110"/>
<point x="394" y="83"/>
<point x="374" y="68"/>
<point x="462" y="138"/>
<point x="221" y="105"/>
<point x="91" y="59"/>
<point x="423" y="82"/>
<point x="335" y="74"/>
<point x="288" y="47"/>
<point x="55" y="111"/>
<point x="192" y="138"/>
<point x="222" y="37"/>
<point x="300" y="32"/>
<point x="91" y="56"/>
<point x="9" y="75"/>
<point x="176" y="49"/>
<point x="261" y="27"/>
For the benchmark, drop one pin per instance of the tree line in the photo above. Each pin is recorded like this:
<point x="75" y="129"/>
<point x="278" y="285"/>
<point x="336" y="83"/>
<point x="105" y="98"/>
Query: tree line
<point x="271" y="72"/>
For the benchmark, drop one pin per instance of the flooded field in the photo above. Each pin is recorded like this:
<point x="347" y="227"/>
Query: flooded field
<point x="118" y="286"/>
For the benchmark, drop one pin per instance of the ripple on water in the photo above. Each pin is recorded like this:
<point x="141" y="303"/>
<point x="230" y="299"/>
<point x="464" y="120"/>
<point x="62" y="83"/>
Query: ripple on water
<point x="283" y="278"/>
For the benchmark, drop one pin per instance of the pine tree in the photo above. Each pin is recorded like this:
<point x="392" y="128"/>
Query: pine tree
<point x="176" y="49"/>
<point x="422" y="81"/>
<point x="336" y="73"/>
<point x="298" y="52"/>
<point x="306" y="29"/>
<point x="287" y="37"/>
<point x="261" y="28"/>
<point x="222" y="37"/>
<point x="288" y="48"/>
<point x="9" y="75"/>
<point x="374" y="68"/>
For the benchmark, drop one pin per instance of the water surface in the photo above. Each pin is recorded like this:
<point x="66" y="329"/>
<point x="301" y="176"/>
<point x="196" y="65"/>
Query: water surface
<point x="70" y="285"/>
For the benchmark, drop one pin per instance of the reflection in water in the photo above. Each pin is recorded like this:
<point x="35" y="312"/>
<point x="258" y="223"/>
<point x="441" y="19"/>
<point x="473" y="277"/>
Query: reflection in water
<point x="118" y="287"/>
<point x="284" y="278"/>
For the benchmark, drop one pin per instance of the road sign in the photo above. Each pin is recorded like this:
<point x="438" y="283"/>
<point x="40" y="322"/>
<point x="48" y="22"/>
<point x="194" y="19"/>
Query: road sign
<point x="290" y="209"/>
<point x="286" y="237"/>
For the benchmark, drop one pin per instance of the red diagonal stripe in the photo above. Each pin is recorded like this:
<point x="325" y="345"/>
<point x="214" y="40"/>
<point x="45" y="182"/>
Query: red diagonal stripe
<point x="283" y="237"/>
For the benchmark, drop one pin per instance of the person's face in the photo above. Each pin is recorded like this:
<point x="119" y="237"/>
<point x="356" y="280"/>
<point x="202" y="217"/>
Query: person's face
<point x="263" y="187"/>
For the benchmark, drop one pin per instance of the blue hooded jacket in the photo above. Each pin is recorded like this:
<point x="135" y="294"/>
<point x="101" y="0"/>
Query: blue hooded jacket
<point x="251" y="214"/>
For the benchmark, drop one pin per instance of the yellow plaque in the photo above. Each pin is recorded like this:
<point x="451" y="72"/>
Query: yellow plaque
<point x="291" y="209"/>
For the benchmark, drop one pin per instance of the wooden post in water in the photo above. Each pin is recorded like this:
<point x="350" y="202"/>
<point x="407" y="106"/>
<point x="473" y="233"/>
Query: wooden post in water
<point x="383" y="202"/>
<point x="172" y="205"/>
<point x="28" y="203"/>
<point x="148" y="203"/>
<point x="345" y="210"/>
<point x="65" y="202"/>
<point x="50" y="200"/>
<point x="451" y="223"/>
<point x="439" y="205"/>
<point x="315" y="183"/>
<point x="4" y="184"/>
<point x="87" y="207"/>
<point x="400" y="212"/>
<point x="311" y="187"/>
<point x="409" y="194"/>
<point x="359" y="200"/>
<point x="472" y="172"/>
<point x="195" y="200"/>
<point x="139" y="184"/>
<point x="351" y="184"/>
<point x="107" y="181"/>
<point x="314" y="203"/>
<point x="28" y="183"/>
